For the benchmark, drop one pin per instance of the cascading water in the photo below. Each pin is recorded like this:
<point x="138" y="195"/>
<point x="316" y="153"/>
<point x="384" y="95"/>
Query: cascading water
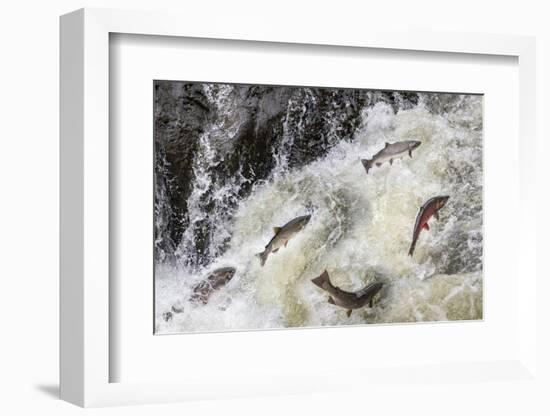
<point x="210" y="204"/>
<point x="361" y="225"/>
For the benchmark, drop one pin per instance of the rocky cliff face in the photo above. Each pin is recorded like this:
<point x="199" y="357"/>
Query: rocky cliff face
<point x="215" y="142"/>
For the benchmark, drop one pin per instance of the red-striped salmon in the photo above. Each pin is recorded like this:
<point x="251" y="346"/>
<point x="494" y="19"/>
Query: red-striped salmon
<point x="428" y="210"/>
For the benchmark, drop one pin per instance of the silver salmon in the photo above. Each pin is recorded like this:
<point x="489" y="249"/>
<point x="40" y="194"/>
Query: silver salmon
<point x="390" y="152"/>
<point x="218" y="278"/>
<point x="283" y="235"/>
<point x="348" y="300"/>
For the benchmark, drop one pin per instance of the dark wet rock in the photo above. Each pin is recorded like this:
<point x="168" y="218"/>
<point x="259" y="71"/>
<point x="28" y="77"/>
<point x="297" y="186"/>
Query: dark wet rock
<point x="167" y="316"/>
<point x="180" y="116"/>
<point x="441" y="103"/>
<point x="265" y="122"/>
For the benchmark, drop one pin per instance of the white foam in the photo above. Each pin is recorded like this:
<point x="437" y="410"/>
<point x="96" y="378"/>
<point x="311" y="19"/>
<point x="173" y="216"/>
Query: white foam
<point x="360" y="230"/>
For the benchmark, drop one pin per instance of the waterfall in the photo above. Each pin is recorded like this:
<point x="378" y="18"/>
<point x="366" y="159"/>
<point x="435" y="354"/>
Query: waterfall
<point x="361" y="224"/>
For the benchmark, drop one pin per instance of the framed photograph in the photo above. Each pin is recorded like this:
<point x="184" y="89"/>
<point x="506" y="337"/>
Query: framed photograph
<point x="227" y="198"/>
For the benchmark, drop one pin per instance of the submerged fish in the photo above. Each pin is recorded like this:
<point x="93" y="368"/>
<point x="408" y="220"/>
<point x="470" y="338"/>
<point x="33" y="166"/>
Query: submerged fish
<point x="177" y="308"/>
<point x="429" y="209"/>
<point x="216" y="279"/>
<point x="283" y="235"/>
<point x="348" y="300"/>
<point x="390" y="152"/>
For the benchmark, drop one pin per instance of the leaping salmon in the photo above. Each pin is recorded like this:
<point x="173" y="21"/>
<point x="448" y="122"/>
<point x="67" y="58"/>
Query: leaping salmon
<point x="429" y="209"/>
<point x="390" y="152"/>
<point x="218" y="278"/>
<point x="283" y="235"/>
<point x="348" y="300"/>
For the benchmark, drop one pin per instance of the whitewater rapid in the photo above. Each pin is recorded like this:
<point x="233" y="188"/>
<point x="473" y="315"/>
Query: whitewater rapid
<point x="360" y="229"/>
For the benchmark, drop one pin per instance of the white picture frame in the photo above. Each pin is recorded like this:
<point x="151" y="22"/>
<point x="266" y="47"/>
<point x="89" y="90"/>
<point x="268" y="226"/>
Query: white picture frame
<point x="85" y="168"/>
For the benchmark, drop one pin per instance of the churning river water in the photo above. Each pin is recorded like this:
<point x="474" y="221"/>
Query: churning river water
<point x="360" y="229"/>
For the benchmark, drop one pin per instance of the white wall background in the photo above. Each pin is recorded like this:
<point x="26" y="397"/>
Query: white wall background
<point x="29" y="205"/>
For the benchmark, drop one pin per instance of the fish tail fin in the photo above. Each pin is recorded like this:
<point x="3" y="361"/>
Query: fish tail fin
<point x="263" y="257"/>
<point x="321" y="280"/>
<point x="367" y="164"/>
<point x="411" y="249"/>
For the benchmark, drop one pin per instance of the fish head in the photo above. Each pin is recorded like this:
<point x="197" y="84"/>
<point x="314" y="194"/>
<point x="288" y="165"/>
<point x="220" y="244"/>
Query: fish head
<point x="229" y="273"/>
<point x="304" y="220"/>
<point x="441" y="201"/>
<point x="376" y="287"/>
<point x="413" y="144"/>
<point x="221" y="276"/>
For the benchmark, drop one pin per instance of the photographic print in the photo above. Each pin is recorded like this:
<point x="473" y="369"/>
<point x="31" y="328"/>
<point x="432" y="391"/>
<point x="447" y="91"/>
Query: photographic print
<point x="290" y="207"/>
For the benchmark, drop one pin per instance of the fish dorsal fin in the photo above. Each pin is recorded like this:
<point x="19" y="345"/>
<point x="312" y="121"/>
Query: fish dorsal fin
<point x="326" y="277"/>
<point x="277" y="229"/>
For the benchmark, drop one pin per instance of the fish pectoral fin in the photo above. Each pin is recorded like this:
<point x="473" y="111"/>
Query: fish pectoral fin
<point x="378" y="164"/>
<point x="391" y="162"/>
<point x="426" y="227"/>
<point x="371" y="303"/>
<point x="276" y="229"/>
<point x="436" y="215"/>
<point x="276" y="250"/>
<point x="331" y="300"/>
<point x="286" y="242"/>
<point x="386" y="144"/>
<point x="410" y="153"/>
<point x="348" y="312"/>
